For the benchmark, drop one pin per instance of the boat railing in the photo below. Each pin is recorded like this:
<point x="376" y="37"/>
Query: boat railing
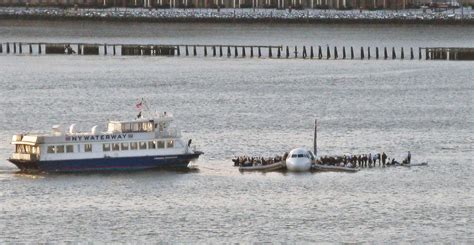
<point x="24" y="156"/>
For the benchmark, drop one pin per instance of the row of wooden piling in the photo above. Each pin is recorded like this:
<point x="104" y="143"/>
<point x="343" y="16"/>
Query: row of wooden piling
<point x="311" y="52"/>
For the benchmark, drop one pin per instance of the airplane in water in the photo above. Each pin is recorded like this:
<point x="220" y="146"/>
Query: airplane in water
<point x="301" y="159"/>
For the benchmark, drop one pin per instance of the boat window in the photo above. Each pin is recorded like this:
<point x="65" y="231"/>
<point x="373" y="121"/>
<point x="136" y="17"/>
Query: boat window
<point x="135" y="127"/>
<point x="115" y="147"/>
<point x="151" y="145"/>
<point x="69" y="148"/>
<point x="60" y="149"/>
<point x="126" y="127"/>
<point x="133" y="146"/>
<point x="142" y="145"/>
<point x="170" y="144"/>
<point x="294" y="156"/>
<point x="23" y="149"/>
<point x="161" y="144"/>
<point x="88" y="147"/>
<point x="124" y="146"/>
<point x="51" y="149"/>
<point x="106" y="147"/>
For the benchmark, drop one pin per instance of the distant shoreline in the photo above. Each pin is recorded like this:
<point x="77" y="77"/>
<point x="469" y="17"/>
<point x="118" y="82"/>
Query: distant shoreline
<point x="240" y="20"/>
<point x="237" y="16"/>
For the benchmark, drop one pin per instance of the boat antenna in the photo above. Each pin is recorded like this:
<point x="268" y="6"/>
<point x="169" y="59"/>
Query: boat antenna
<point x="315" y="140"/>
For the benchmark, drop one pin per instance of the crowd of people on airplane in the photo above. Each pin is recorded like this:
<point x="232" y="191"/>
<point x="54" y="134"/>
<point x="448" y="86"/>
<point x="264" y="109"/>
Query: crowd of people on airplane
<point x="362" y="160"/>
<point x="247" y="161"/>
<point x="351" y="161"/>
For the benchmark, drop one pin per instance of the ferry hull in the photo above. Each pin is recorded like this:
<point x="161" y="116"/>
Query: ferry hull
<point x="122" y="163"/>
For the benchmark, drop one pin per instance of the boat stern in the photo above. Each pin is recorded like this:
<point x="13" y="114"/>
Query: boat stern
<point x="24" y="162"/>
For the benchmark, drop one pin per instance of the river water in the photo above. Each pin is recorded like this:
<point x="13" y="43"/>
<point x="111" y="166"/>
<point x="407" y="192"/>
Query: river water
<point x="246" y="106"/>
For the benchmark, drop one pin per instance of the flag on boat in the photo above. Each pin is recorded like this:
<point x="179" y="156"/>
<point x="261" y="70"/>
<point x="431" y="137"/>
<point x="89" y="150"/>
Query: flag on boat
<point x="140" y="104"/>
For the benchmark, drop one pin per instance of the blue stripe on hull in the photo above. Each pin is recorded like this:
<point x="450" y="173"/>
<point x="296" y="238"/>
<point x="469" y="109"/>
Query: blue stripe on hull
<point x="123" y="163"/>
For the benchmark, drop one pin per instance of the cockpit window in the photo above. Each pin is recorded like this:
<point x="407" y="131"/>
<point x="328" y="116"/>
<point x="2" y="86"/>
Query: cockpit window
<point x="294" y="156"/>
<point x="300" y="155"/>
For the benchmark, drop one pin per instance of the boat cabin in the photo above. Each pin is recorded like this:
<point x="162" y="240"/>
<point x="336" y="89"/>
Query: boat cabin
<point x="140" y="125"/>
<point x="26" y="147"/>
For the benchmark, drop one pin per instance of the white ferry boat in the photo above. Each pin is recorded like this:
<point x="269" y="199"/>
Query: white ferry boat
<point x="126" y="145"/>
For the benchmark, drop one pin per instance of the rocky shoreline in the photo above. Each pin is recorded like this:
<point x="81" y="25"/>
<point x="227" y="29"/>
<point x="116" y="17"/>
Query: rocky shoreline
<point x="242" y="15"/>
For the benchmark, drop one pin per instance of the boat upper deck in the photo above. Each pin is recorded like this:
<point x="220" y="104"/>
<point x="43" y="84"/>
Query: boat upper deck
<point x="158" y="123"/>
<point x="159" y="126"/>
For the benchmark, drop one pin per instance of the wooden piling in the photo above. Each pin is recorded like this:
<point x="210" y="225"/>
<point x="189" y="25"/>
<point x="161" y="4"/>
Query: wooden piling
<point x="437" y="53"/>
<point x="125" y="50"/>
<point x="90" y="49"/>
<point x="54" y="49"/>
